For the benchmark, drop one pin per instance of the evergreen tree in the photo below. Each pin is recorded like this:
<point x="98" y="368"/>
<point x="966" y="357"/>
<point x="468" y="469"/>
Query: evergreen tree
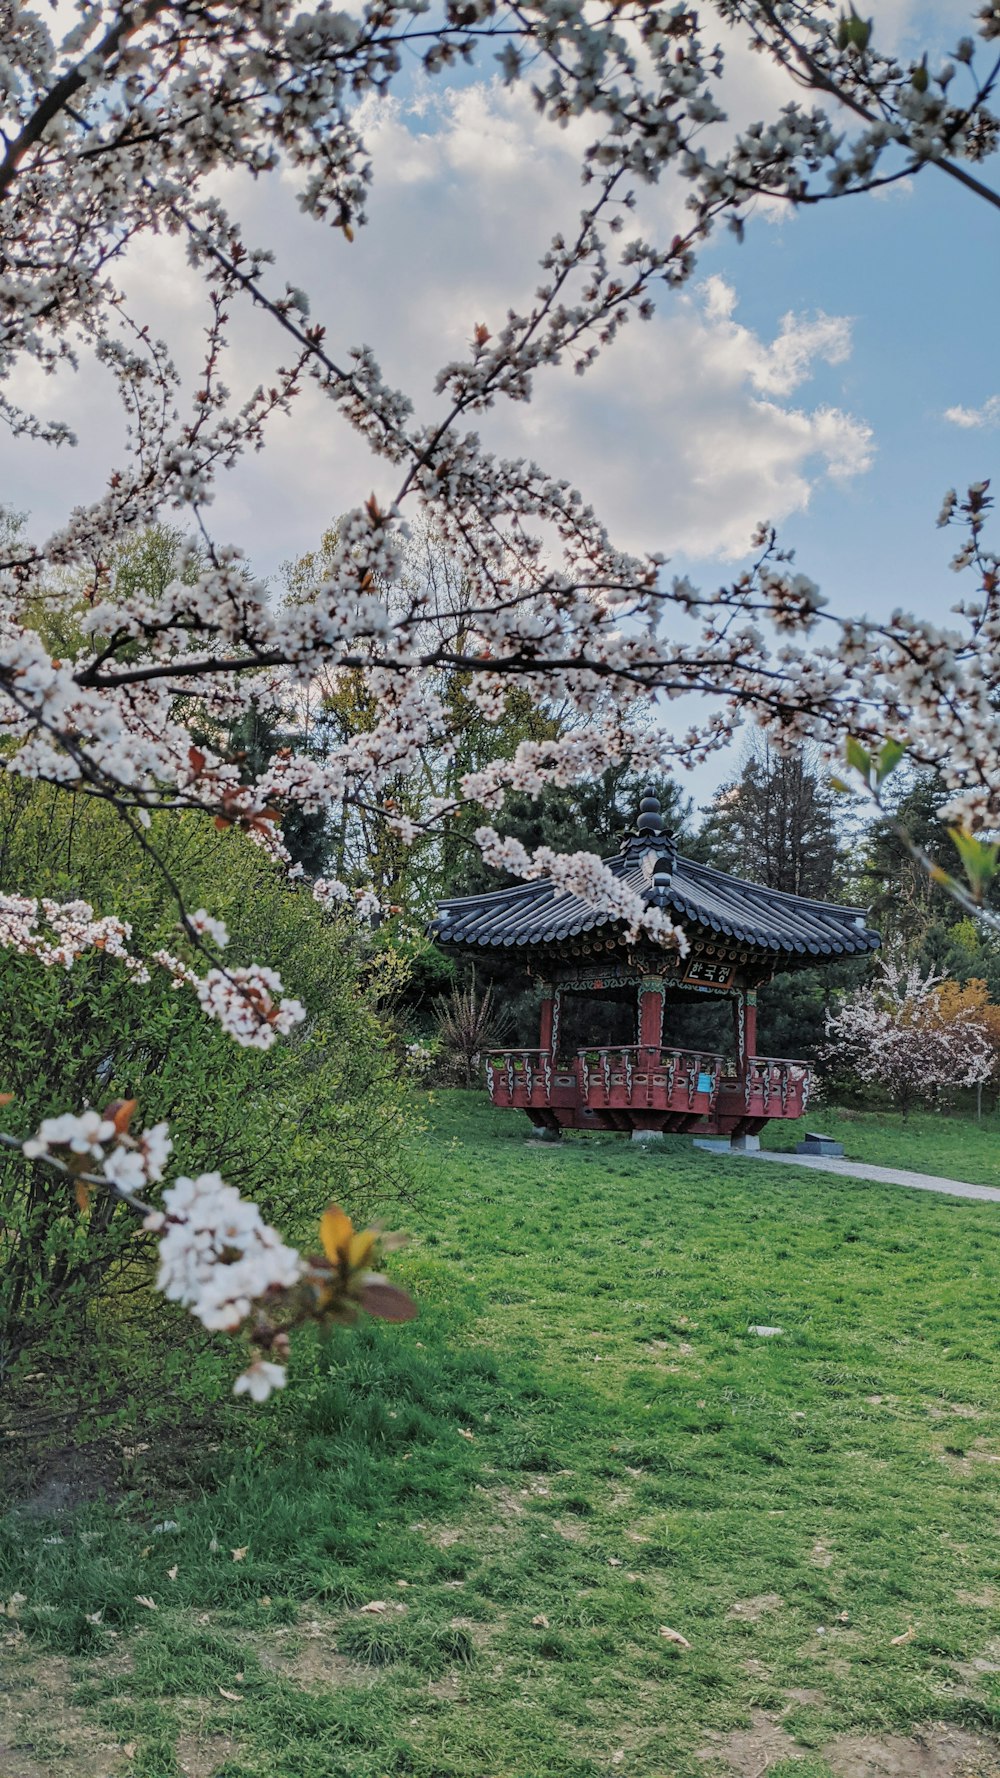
<point x="588" y="817"/>
<point x="906" y="903"/>
<point x="776" y="823"/>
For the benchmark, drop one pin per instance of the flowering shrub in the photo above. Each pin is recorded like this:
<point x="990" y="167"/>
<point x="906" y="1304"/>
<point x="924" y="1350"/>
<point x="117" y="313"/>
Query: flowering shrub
<point x="315" y="1115"/>
<point x="898" y="1033"/>
<point x="419" y="1059"/>
<point x="217" y="1256"/>
<point x="129" y="124"/>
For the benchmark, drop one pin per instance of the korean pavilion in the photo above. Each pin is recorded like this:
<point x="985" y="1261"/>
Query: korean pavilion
<point x="739" y="936"/>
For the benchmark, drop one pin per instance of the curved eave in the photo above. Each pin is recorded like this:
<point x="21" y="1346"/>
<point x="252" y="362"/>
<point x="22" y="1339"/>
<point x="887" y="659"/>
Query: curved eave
<point x="705" y="901"/>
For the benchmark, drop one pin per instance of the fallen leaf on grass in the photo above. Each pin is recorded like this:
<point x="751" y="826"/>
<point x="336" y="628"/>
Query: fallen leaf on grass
<point x="94" y="1617"/>
<point x="238" y="1555"/>
<point x="375" y="1605"/>
<point x="674" y="1636"/>
<point x="172" y="1572"/>
<point x="907" y="1636"/>
<point x="618" y="1759"/>
<point x="142" y="1599"/>
<point x="234" y="1697"/>
<point x="614" y="1561"/>
<point x="540" y="1622"/>
<point x="463" y="1434"/>
<point x="128" y="1751"/>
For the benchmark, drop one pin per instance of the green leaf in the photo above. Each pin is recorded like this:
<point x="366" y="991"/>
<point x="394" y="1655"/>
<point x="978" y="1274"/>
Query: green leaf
<point x="839" y="785"/>
<point x="979" y="858"/>
<point x="859" y="31"/>
<point x="889" y="757"/>
<point x="858" y="757"/>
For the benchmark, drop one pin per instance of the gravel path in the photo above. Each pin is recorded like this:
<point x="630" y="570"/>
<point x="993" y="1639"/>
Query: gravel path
<point x="921" y="1182"/>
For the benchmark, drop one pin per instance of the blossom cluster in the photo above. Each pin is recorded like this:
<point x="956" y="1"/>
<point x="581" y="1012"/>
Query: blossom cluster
<point x="217" y="1256"/>
<point x="92" y="1140"/>
<point x="56" y="934"/>
<point x="893" y="1031"/>
<point x="588" y="877"/>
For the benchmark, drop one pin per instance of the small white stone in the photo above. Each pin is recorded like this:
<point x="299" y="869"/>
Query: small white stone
<point x="766" y="1333"/>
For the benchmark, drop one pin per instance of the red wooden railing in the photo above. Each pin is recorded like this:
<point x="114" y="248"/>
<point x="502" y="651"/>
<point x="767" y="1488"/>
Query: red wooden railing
<point x="642" y="1078"/>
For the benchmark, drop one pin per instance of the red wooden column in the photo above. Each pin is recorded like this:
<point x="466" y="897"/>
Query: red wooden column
<point x="651" y="1013"/>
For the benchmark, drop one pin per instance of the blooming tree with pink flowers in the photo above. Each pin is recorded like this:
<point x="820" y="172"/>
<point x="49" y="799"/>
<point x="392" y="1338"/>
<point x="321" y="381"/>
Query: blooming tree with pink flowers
<point x="123" y="126"/>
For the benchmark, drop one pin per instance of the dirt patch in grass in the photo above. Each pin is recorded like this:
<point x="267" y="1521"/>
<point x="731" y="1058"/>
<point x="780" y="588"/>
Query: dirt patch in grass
<point x="752" y="1610"/>
<point x="936" y="1751"/>
<point x="756" y="1669"/>
<point x="751" y="1751"/>
<point x="573" y="1530"/>
<point x="200" y="1756"/>
<point x="62" y="1480"/>
<point x="507" y="1501"/>
<point x="44" y="1736"/>
<point x="963" y="1463"/>
<point x="308" y="1656"/>
<point x="443" y="1536"/>
<point x="987" y="1662"/>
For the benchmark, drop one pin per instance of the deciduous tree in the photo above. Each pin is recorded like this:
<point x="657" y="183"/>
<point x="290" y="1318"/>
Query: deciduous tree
<point x="912" y="1035"/>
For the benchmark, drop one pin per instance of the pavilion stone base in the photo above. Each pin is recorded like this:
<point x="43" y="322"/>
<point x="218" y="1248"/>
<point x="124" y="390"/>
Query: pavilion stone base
<point x="728" y="1144"/>
<point x="648" y="1135"/>
<point x="814" y="1143"/>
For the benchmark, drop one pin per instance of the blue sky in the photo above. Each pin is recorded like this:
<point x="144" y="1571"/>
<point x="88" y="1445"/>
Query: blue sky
<point x="919" y="276"/>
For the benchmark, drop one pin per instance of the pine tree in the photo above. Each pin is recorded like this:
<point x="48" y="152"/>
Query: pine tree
<point x="776" y="823"/>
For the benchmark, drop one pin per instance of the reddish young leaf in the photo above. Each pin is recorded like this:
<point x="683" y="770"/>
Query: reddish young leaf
<point x="387" y="1301"/>
<point x="120" y="1113"/>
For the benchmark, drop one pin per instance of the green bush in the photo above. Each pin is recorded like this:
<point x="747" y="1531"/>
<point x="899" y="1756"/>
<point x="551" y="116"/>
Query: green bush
<point x="315" y="1118"/>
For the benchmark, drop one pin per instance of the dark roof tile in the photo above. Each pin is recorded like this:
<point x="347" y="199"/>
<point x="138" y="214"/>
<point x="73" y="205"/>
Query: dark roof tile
<point x="537" y="914"/>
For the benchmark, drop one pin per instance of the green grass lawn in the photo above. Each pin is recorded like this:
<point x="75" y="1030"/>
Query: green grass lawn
<point x="578" y="1445"/>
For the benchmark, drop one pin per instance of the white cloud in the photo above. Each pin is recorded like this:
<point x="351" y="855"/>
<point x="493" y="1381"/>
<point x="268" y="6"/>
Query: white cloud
<point x="680" y="437"/>
<point x="683" y="435"/>
<point x="968" y="417"/>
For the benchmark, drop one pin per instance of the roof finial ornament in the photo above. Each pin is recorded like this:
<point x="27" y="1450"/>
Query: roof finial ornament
<point x="650" y="814"/>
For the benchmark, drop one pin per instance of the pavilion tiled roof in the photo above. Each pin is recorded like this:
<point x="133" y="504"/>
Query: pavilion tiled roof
<point x="700" y="898"/>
